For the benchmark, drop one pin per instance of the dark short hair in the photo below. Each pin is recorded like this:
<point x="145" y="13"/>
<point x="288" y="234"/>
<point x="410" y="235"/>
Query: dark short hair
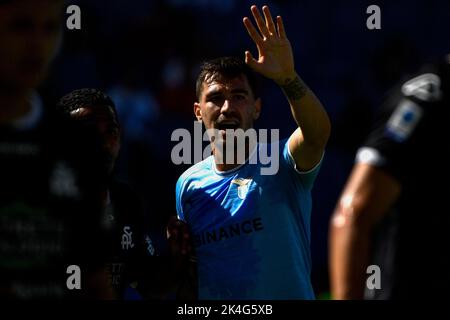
<point x="227" y="68"/>
<point x="84" y="97"/>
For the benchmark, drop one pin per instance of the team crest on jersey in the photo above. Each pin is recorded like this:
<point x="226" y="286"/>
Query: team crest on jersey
<point x="404" y="120"/>
<point x="243" y="186"/>
<point x="426" y="87"/>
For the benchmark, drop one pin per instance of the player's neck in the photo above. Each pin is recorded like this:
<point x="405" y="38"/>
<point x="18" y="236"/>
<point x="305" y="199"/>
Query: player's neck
<point x="14" y="105"/>
<point x="223" y="164"/>
<point x="226" y="166"/>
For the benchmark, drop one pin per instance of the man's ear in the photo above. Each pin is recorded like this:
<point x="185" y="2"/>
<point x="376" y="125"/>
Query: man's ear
<point x="197" y="111"/>
<point x="258" y="105"/>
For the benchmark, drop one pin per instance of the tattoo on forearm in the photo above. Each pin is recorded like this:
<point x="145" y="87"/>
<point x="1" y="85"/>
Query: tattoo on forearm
<point x="295" y="89"/>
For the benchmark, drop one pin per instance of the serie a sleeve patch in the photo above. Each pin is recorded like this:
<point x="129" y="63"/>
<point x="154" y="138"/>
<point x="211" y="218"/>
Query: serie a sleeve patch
<point x="403" y="120"/>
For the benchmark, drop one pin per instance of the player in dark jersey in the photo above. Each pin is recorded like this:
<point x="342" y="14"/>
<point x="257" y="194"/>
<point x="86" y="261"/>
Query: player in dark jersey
<point x="133" y="258"/>
<point x="392" y="213"/>
<point x="94" y="114"/>
<point x="49" y="208"/>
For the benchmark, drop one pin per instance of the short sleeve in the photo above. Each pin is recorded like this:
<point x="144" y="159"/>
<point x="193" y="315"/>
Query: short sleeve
<point x="307" y="178"/>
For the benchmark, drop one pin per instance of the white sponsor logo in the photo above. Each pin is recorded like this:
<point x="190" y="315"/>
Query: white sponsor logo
<point x="127" y="240"/>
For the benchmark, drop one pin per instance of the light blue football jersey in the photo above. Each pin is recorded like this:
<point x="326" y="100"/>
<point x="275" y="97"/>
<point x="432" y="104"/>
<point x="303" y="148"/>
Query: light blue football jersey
<point x="251" y="231"/>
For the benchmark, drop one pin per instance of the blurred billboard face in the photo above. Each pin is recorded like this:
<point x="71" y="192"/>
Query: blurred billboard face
<point x="29" y="35"/>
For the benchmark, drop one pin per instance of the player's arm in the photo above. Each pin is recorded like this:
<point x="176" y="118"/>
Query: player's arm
<point x="367" y="196"/>
<point x="276" y="62"/>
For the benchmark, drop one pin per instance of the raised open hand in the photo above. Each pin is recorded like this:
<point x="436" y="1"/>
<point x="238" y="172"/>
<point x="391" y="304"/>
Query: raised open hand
<point x="276" y="60"/>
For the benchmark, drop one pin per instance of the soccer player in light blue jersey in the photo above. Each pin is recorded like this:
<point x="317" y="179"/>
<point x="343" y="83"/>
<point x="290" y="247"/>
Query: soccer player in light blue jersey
<point x="251" y="230"/>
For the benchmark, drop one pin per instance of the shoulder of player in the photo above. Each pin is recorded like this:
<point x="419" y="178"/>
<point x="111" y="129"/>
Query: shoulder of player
<point x="201" y="168"/>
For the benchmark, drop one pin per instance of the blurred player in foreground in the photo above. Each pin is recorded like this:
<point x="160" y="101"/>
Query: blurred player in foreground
<point x="49" y="208"/>
<point x="391" y="213"/>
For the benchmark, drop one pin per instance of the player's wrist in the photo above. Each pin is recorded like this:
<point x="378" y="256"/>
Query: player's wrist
<point x="286" y="78"/>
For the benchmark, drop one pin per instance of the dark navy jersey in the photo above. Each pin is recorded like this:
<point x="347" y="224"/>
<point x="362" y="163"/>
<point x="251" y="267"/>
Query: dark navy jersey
<point x="132" y="249"/>
<point x="409" y="141"/>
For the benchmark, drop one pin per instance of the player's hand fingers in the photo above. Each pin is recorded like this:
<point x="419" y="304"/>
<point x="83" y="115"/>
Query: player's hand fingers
<point x="260" y="22"/>
<point x="250" y="61"/>
<point x="281" y="30"/>
<point x="252" y="31"/>
<point x="269" y="21"/>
